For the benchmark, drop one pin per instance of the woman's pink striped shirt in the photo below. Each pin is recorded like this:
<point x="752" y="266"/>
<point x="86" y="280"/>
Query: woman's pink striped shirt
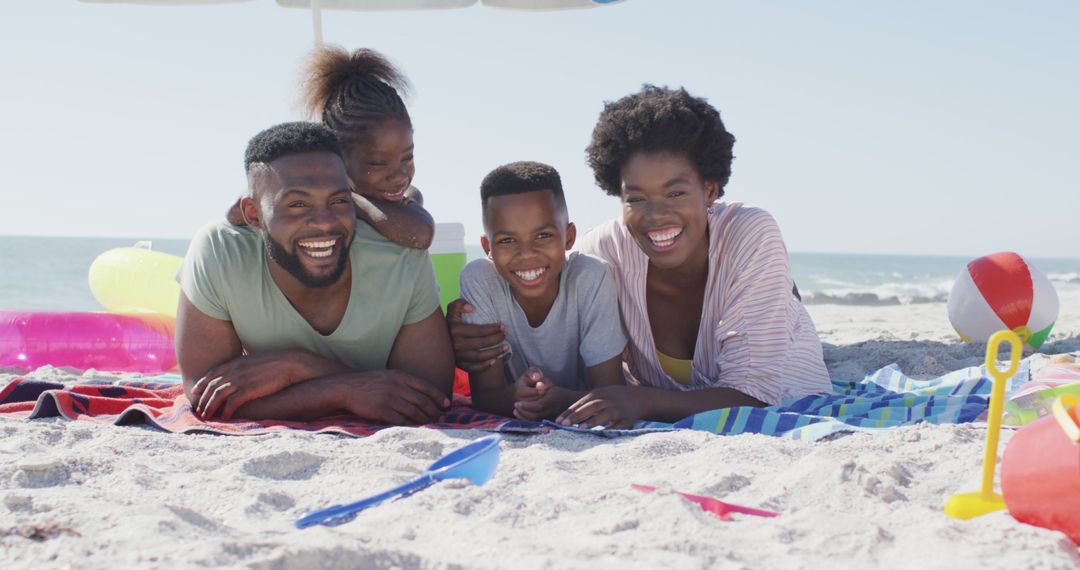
<point x="755" y="336"/>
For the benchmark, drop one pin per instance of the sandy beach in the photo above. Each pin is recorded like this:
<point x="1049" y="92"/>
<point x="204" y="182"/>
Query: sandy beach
<point x="80" y="495"/>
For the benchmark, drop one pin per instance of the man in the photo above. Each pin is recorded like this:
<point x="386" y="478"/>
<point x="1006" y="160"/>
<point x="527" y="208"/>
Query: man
<point x="306" y="312"/>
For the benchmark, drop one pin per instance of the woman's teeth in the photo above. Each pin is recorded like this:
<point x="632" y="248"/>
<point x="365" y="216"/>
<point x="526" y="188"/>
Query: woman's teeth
<point x="322" y="248"/>
<point x="530" y="275"/>
<point x="664" y="238"/>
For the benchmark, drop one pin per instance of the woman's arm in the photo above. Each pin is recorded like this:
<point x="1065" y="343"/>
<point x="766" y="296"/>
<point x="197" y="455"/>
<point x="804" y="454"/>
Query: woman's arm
<point x="767" y="347"/>
<point x="621" y="406"/>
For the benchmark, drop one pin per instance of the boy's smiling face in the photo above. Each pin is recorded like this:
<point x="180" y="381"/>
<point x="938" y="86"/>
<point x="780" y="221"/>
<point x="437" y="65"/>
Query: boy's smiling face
<point x="527" y="238"/>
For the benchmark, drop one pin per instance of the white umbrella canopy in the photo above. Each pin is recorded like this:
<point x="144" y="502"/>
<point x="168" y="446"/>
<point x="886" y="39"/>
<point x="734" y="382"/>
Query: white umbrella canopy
<point x="384" y="5"/>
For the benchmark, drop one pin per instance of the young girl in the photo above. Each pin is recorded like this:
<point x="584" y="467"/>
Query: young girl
<point x="704" y="287"/>
<point x="358" y="95"/>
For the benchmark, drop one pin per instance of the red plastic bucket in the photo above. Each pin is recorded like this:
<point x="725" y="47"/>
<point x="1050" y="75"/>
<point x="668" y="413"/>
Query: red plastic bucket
<point x="1040" y="471"/>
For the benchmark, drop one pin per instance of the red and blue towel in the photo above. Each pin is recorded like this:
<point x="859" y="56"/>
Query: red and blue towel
<point x="164" y="406"/>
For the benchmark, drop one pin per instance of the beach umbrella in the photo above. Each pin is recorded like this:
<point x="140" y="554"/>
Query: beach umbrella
<point x="316" y="6"/>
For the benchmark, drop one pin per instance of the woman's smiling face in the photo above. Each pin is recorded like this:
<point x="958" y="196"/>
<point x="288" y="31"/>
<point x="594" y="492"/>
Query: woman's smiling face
<point x="665" y="203"/>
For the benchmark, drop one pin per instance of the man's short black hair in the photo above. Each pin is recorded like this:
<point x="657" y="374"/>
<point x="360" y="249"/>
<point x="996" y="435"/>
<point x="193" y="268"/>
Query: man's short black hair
<point x="658" y="119"/>
<point x="519" y="178"/>
<point x="290" y="138"/>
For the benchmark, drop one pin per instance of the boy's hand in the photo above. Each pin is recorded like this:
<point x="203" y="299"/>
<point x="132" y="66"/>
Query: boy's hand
<point x="531" y="385"/>
<point x="476" y="347"/>
<point x="536" y="398"/>
<point x="611" y="406"/>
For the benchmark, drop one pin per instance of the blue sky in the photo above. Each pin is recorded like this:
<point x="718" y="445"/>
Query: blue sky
<point x="920" y="127"/>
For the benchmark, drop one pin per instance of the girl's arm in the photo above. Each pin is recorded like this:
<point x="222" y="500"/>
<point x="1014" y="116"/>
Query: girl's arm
<point x="407" y="223"/>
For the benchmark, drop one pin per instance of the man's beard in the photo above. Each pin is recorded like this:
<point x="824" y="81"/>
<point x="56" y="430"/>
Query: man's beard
<point x="290" y="262"/>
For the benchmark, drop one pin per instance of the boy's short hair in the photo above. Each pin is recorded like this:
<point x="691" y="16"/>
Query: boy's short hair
<point x="519" y="178"/>
<point x="289" y="138"/>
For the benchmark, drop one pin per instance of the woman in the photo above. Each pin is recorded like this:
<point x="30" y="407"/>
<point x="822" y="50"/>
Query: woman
<point x="705" y="289"/>
<point x="358" y="95"/>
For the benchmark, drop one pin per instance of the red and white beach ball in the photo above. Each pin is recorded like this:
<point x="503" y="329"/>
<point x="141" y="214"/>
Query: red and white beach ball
<point x="1003" y="291"/>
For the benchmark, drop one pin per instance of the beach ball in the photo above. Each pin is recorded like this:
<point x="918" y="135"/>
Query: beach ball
<point x="1003" y="291"/>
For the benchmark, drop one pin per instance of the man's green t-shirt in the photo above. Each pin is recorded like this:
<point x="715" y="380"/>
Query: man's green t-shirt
<point x="225" y="275"/>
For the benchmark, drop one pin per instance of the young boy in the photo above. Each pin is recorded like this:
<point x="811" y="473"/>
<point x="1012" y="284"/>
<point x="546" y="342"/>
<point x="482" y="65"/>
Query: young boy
<point x="560" y="311"/>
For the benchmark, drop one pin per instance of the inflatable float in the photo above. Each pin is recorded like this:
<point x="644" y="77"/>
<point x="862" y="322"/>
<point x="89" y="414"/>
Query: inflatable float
<point x="102" y="341"/>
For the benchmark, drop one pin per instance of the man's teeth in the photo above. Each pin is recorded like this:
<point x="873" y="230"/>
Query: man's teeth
<point x="530" y="274"/>
<point x="323" y="248"/>
<point x="665" y="237"/>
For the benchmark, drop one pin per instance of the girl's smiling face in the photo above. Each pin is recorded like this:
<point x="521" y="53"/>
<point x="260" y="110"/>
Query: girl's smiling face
<point x="665" y="203"/>
<point x="381" y="166"/>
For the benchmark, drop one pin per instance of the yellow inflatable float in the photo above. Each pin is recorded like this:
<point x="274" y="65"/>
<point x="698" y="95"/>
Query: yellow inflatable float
<point x="136" y="280"/>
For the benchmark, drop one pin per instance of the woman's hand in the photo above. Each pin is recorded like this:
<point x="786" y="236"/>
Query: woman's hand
<point x="476" y="347"/>
<point x="611" y="406"/>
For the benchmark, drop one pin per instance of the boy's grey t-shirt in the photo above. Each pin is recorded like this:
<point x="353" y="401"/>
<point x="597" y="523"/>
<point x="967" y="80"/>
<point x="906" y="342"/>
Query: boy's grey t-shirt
<point x="582" y="329"/>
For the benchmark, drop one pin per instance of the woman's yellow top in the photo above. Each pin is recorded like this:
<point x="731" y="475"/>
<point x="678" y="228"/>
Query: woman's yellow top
<point x="679" y="370"/>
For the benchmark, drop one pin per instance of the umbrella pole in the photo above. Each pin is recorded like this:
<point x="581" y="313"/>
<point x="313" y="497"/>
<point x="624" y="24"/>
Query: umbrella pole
<point x="316" y="21"/>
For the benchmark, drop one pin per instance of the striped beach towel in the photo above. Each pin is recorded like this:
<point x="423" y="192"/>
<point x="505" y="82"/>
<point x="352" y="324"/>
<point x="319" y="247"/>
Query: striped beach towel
<point x="883" y="400"/>
<point x="160" y="403"/>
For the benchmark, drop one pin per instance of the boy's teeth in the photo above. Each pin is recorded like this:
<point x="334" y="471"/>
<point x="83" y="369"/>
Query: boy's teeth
<point x="665" y="237"/>
<point x="530" y="275"/>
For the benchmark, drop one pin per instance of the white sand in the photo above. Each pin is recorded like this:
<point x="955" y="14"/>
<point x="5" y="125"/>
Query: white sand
<point x="86" y="496"/>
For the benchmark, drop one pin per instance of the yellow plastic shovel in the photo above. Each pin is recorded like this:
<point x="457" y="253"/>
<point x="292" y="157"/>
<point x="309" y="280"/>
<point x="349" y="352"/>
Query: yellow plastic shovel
<point x="971" y="505"/>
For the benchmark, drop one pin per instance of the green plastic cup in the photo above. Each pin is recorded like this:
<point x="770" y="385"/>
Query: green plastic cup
<point x="448" y="259"/>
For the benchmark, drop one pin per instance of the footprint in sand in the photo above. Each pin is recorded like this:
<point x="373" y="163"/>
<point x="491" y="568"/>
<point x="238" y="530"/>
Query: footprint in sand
<point x="287" y="465"/>
<point x="272" y="501"/>
<point x="37" y="474"/>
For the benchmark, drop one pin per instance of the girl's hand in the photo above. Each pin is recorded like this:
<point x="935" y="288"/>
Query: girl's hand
<point x="612" y="406"/>
<point x="234" y="216"/>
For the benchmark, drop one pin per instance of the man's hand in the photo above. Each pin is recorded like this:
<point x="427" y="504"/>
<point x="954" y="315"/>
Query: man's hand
<point x="224" y="388"/>
<point x="394" y="397"/>
<point x="475" y="346"/>
<point x="611" y="406"/>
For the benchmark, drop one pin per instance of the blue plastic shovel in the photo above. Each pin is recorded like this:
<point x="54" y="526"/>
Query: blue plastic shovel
<point x="475" y="462"/>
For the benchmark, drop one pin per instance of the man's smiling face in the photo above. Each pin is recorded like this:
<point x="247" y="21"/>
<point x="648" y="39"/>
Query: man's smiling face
<point x="302" y="206"/>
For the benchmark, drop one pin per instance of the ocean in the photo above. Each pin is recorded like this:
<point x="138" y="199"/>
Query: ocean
<point x="50" y="273"/>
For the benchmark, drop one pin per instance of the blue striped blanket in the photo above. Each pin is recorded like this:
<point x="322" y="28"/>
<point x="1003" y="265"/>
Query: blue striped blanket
<point x="883" y="400"/>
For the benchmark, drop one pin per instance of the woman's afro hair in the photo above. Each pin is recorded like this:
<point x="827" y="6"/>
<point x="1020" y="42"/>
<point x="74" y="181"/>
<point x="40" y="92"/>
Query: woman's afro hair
<point x="658" y="119"/>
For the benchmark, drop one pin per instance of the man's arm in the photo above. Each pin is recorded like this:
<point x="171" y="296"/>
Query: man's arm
<point x="422" y="349"/>
<point x="407" y="224"/>
<point x="219" y="378"/>
<point x="202" y="342"/>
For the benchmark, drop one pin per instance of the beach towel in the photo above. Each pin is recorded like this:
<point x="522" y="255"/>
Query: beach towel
<point x="884" y="400"/>
<point x="160" y="402"/>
